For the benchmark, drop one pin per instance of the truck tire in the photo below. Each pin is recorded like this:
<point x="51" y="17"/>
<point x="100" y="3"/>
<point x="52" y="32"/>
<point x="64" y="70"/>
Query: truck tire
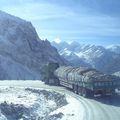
<point x="113" y="92"/>
<point x="84" y="92"/>
<point x="79" y="90"/>
<point x="90" y="94"/>
<point x="75" y="89"/>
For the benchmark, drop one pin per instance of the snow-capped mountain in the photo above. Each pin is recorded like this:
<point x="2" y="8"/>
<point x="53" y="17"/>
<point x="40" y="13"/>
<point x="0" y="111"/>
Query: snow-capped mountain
<point x="94" y="56"/>
<point x="114" y="48"/>
<point x="22" y="52"/>
<point x="117" y="73"/>
<point x="60" y="45"/>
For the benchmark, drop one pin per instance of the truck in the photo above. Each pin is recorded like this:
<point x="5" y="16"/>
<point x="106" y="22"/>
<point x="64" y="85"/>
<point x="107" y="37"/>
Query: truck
<point x="87" y="82"/>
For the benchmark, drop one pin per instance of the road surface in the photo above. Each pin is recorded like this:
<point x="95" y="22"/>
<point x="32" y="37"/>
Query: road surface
<point x="107" y="108"/>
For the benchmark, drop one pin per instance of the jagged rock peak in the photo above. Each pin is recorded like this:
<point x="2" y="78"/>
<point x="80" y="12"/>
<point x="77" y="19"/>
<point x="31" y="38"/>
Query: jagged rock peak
<point x="22" y="49"/>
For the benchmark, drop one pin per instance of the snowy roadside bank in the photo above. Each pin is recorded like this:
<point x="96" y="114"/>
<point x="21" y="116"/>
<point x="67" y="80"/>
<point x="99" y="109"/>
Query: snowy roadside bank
<point x="17" y="103"/>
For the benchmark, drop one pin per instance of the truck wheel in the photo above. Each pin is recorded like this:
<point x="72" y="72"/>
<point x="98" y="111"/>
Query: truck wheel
<point x="113" y="92"/>
<point x="79" y="91"/>
<point x="75" y="89"/>
<point x="75" y="92"/>
<point x="84" y="92"/>
<point x="91" y="94"/>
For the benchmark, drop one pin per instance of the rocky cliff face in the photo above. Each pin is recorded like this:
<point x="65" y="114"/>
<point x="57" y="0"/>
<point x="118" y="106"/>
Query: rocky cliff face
<point x="22" y="53"/>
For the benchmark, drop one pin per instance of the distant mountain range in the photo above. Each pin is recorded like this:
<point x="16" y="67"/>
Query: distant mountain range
<point x="105" y="59"/>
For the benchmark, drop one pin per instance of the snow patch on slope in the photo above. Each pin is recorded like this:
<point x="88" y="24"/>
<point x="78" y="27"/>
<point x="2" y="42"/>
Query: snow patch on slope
<point x="91" y="56"/>
<point x="72" y="111"/>
<point x="114" y="48"/>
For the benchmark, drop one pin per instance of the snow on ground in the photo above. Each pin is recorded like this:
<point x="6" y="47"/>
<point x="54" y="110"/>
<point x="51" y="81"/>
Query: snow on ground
<point x="72" y="111"/>
<point x="51" y="105"/>
<point x="16" y="96"/>
<point x="17" y="103"/>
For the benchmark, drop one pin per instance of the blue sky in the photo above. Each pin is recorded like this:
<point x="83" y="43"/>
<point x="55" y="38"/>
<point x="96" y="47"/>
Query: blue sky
<point x="86" y="21"/>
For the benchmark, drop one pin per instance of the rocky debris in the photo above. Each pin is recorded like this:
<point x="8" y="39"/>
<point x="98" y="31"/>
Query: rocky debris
<point x="18" y="112"/>
<point x="19" y="106"/>
<point x="59" y="99"/>
<point x="14" y="111"/>
<point x="55" y="116"/>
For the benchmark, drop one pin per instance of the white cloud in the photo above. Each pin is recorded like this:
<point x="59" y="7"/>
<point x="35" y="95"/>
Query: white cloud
<point x="57" y="40"/>
<point x="52" y="19"/>
<point x="37" y="11"/>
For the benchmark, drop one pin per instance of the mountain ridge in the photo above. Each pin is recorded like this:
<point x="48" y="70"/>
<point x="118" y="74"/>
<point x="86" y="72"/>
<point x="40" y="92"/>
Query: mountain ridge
<point x="94" y="56"/>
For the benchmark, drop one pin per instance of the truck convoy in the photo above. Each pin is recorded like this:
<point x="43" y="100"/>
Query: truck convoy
<point x="84" y="81"/>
